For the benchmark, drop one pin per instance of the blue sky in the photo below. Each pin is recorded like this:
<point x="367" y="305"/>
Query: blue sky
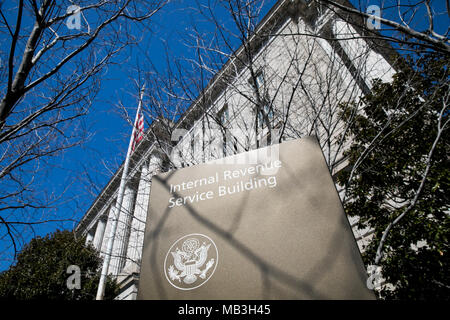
<point x="92" y="163"/>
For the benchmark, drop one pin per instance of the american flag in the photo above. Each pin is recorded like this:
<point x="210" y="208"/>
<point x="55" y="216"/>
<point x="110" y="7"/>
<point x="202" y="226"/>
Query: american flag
<point x="139" y="132"/>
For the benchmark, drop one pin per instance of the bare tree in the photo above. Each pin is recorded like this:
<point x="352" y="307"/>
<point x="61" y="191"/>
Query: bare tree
<point x="50" y="73"/>
<point x="422" y="24"/>
<point x="261" y="82"/>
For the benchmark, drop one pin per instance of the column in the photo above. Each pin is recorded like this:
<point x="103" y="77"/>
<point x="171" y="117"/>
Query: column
<point x="89" y="237"/>
<point x="123" y="227"/>
<point x="138" y="221"/>
<point x="106" y="237"/>
<point x="99" y="232"/>
<point x="136" y="241"/>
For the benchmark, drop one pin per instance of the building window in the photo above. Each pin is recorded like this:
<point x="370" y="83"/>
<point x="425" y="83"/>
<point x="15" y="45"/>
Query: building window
<point x="258" y="82"/>
<point x="223" y="115"/>
<point x="235" y="145"/>
<point x="180" y="158"/>
<point x="262" y="113"/>
<point x="224" y="145"/>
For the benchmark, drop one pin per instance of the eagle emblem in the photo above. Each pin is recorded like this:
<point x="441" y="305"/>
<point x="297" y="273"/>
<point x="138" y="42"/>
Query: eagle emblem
<point x="190" y="265"/>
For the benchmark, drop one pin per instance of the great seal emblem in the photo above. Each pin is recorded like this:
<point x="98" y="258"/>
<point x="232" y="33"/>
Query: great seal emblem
<point x="191" y="261"/>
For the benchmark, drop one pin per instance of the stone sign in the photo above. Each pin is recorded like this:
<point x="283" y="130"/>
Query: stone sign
<point x="265" y="224"/>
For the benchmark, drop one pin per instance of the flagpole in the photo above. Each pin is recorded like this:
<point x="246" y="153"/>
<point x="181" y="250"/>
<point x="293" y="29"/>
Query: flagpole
<point x="118" y="207"/>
